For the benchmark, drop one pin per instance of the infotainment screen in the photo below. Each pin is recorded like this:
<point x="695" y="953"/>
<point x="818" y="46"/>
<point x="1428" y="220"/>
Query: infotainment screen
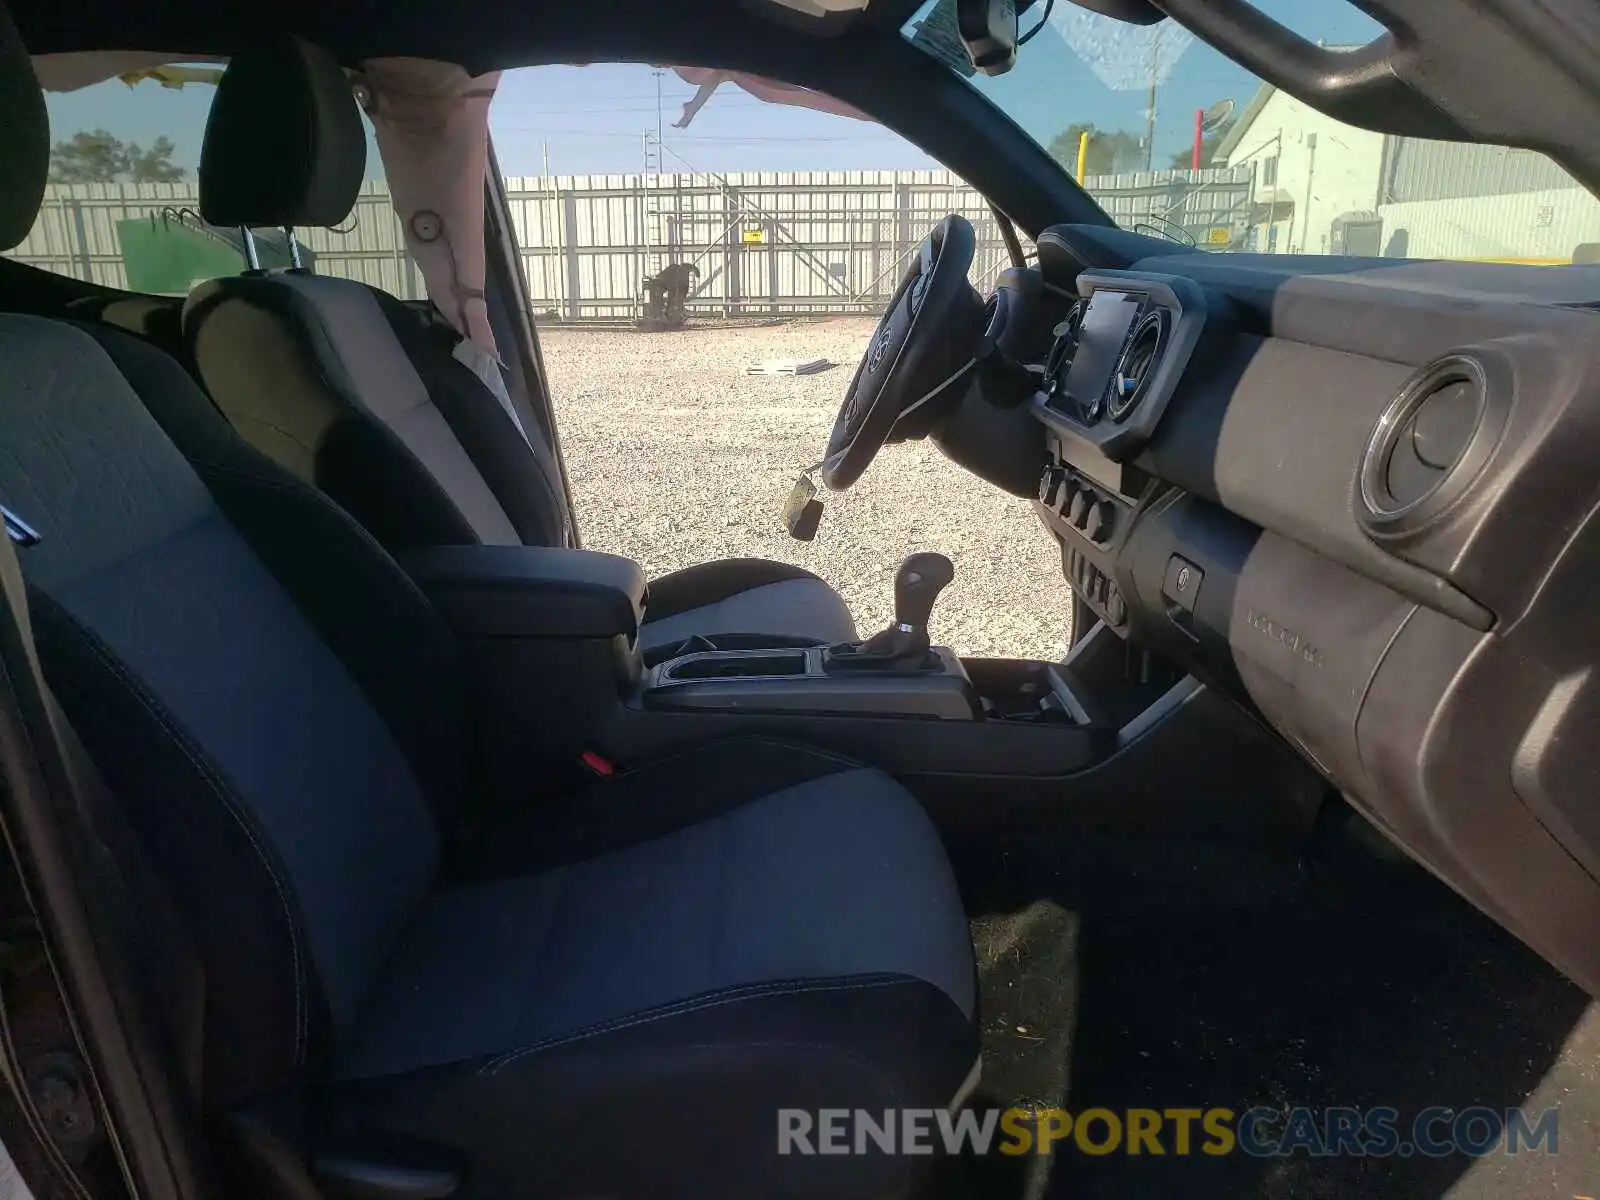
<point x="1101" y="335"/>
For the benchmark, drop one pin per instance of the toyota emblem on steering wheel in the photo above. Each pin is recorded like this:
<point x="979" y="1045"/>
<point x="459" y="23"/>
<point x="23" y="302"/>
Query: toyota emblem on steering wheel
<point x="879" y="347"/>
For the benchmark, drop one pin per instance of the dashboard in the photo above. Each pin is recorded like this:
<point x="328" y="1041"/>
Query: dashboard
<point x="1361" y="496"/>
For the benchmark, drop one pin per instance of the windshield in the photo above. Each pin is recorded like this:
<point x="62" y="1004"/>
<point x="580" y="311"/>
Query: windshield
<point x="1176" y="140"/>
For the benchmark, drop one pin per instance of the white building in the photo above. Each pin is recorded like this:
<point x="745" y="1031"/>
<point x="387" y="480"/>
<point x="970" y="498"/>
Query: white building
<point x="1310" y="170"/>
<point x="1324" y="187"/>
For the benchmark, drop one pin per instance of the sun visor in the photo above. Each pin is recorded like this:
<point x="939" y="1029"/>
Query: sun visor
<point x="74" y="72"/>
<point x="432" y="125"/>
<point x="769" y="90"/>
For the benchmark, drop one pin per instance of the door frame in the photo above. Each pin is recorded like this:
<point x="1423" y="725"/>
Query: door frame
<point x="505" y="288"/>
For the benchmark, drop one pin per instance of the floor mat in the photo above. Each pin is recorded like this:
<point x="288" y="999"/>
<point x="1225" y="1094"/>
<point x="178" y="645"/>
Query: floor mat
<point x="1027" y="1000"/>
<point x="1212" y="978"/>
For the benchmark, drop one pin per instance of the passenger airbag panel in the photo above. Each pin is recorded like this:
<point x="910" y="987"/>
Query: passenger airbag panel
<point x="1297" y="633"/>
<point x="1307" y="637"/>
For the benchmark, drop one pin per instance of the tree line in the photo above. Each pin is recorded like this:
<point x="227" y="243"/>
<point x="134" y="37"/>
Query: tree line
<point x="95" y="156"/>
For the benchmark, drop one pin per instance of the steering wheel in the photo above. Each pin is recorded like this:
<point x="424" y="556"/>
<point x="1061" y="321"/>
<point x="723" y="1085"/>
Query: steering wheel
<point x="925" y="337"/>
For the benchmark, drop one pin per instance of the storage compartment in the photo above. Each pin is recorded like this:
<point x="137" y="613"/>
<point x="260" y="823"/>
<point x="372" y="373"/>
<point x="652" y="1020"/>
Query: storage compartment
<point x="532" y="591"/>
<point x="1013" y="689"/>
<point x="735" y="665"/>
<point x="797" y="681"/>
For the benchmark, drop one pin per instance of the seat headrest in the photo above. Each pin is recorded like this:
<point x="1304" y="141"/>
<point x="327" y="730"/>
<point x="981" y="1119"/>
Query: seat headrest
<point x="24" y="137"/>
<point x="283" y="144"/>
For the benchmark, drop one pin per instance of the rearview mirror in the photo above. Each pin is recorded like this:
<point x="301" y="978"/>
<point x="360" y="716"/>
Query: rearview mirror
<point x="989" y="30"/>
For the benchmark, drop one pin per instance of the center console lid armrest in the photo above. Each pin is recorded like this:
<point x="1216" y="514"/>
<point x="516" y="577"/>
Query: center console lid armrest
<point x="531" y="591"/>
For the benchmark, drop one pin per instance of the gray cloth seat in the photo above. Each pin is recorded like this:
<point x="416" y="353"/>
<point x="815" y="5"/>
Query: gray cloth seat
<point x="764" y="927"/>
<point x="690" y="946"/>
<point x="360" y="395"/>
<point x="701" y="957"/>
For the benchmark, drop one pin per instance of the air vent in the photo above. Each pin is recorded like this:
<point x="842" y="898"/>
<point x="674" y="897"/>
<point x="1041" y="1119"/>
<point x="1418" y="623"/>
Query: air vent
<point x="1137" y="365"/>
<point x="1430" y="444"/>
<point x="1062" y="350"/>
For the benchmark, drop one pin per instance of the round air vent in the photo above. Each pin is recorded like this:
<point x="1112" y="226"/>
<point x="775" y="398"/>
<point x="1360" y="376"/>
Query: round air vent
<point x="1137" y="365"/>
<point x="1430" y="444"/>
<point x="1062" y="350"/>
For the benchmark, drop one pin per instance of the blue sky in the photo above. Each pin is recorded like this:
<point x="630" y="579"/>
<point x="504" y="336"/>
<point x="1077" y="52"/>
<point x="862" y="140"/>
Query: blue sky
<point x="592" y="119"/>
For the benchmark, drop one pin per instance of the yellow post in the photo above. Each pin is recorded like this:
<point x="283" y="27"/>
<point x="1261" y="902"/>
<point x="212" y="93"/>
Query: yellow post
<point x="1083" y="152"/>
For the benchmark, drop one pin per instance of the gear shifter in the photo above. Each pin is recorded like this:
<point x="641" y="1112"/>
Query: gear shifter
<point x="917" y="585"/>
<point x="904" y="645"/>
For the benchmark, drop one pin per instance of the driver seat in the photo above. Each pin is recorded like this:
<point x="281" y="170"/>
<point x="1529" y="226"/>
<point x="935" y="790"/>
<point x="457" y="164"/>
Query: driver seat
<point x="360" y="395"/>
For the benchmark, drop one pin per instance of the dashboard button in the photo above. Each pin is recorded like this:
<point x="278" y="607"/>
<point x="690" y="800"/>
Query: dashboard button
<point x="1070" y="489"/>
<point x="1050" y="485"/>
<point x="1116" y="607"/>
<point x="1181" y="585"/>
<point x="1102" y="519"/>
<point x="1082" y="503"/>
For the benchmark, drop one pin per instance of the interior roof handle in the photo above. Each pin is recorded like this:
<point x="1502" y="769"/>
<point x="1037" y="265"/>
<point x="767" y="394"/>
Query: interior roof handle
<point x="1505" y="72"/>
<point x="1362" y="86"/>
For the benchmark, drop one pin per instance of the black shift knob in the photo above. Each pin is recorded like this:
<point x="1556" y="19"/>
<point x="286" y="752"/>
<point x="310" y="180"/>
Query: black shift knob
<point x="917" y="585"/>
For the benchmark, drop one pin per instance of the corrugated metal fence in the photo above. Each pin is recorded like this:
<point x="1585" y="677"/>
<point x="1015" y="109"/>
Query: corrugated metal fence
<point x="76" y="234"/>
<point x="776" y="243"/>
<point x="794" y="242"/>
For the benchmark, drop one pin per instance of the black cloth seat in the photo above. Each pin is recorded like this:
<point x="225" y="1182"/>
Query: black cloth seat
<point x="614" y="994"/>
<point x="358" y="394"/>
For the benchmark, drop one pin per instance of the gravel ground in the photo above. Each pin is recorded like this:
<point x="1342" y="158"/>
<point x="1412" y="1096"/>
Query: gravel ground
<point x="677" y="456"/>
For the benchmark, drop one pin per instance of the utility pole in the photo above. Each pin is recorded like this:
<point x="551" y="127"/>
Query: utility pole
<point x="1150" y="109"/>
<point x="658" y="73"/>
<point x="645" y="253"/>
<point x="1311" y="179"/>
<point x="653" y="256"/>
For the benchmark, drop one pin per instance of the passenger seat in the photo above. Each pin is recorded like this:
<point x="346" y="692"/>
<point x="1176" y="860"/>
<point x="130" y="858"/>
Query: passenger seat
<point x="347" y="388"/>
<point x="619" y="1002"/>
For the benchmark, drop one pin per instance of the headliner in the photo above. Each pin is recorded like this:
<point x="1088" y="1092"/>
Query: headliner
<point x="481" y="35"/>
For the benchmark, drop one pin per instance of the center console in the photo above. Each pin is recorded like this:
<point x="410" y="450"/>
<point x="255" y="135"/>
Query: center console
<point x="552" y="645"/>
<point x="895" y="674"/>
<point x="1088" y="502"/>
<point x="1112" y="368"/>
<point x="557" y="693"/>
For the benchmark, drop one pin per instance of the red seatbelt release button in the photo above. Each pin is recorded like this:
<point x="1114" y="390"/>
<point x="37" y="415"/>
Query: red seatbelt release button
<point x="598" y="764"/>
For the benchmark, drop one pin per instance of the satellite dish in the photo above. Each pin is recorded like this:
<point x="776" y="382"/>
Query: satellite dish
<point x="1216" y="115"/>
